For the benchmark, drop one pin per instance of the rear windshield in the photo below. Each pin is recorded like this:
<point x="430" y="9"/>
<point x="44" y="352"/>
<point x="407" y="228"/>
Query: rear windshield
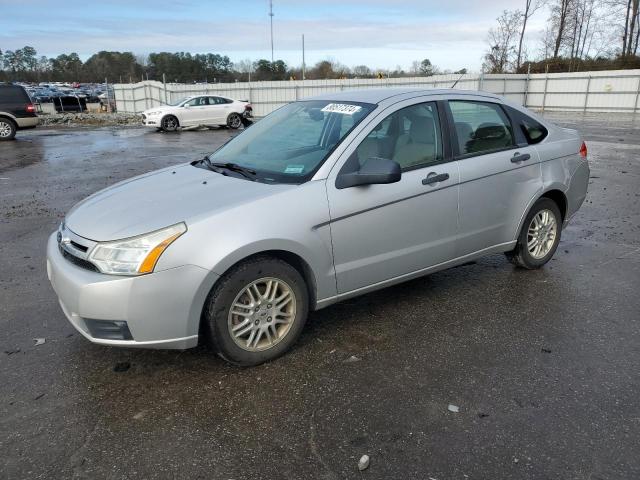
<point x="290" y="144"/>
<point x="13" y="94"/>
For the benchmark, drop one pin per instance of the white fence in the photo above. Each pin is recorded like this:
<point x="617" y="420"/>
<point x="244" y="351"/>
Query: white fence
<point x="604" y="91"/>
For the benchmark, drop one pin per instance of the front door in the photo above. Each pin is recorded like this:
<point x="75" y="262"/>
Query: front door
<point x="380" y="232"/>
<point x="195" y="111"/>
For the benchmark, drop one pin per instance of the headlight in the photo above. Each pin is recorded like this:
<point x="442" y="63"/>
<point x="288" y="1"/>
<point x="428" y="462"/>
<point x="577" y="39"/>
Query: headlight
<point x="135" y="255"/>
<point x="158" y="112"/>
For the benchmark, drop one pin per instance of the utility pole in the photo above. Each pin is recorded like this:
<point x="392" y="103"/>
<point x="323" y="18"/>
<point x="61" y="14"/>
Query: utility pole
<point x="303" y="65"/>
<point x="271" y="19"/>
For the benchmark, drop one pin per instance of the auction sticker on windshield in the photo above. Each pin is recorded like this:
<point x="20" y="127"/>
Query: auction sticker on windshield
<point x="294" y="169"/>
<point x="343" y="108"/>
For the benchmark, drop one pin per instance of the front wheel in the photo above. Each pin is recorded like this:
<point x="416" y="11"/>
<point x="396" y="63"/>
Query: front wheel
<point x="234" y="121"/>
<point x="539" y="237"/>
<point x="256" y="311"/>
<point x="170" y="123"/>
<point x="7" y="129"/>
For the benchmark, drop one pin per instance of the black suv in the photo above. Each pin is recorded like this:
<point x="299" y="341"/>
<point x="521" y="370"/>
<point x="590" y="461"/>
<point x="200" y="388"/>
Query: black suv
<point x="16" y="111"/>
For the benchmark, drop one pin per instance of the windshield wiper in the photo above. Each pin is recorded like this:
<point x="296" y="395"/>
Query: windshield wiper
<point x="209" y="164"/>
<point x="234" y="167"/>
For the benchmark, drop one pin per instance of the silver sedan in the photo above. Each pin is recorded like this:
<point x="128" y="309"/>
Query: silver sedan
<point x="322" y="200"/>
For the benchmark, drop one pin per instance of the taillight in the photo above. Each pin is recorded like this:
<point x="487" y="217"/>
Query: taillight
<point x="248" y="107"/>
<point x="30" y="108"/>
<point x="583" y="150"/>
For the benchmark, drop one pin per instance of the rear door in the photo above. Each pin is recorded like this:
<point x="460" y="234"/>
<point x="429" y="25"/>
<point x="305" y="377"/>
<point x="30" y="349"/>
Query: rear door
<point x="219" y="110"/>
<point x="499" y="173"/>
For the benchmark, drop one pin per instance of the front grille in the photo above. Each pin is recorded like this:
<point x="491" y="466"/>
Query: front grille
<point x="82" y="248"/>
<point x="78" y="262"/>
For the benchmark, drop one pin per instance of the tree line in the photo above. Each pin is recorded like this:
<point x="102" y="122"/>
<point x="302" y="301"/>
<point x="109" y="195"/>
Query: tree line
<point x="580" y="35"/>
<point x="26" y="65"/>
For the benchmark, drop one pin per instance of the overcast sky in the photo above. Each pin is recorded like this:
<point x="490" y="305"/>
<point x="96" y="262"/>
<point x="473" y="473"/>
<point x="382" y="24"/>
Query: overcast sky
<point x="452" y="33"/>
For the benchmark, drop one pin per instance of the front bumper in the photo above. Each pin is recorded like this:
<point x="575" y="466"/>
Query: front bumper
<point x="162" y="309"/>
<point x="154" y="121"/>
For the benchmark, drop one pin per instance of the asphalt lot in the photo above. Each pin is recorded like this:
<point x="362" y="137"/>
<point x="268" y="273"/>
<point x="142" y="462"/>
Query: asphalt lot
<point x="543" y="365"/>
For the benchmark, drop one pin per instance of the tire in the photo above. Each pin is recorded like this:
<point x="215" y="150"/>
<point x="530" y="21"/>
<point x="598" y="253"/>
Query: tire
<point x="538" y="242"/>
<point x="229" y="330"/>
<point x="7" y="129"/>
<point x="234" y="120"/>
<point x="170" y="123"/>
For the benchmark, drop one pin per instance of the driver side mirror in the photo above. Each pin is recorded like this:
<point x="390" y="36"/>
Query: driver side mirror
<point x="186" y="105"/>
<point x="375" y="170"/>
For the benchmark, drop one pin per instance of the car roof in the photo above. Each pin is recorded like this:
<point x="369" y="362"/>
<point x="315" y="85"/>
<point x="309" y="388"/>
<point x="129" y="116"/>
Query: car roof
<point x="378" y="95"/>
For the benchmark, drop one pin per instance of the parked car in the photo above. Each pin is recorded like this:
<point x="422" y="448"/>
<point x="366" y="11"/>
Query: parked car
<point x="322" y="200"/>
<point x="17" y="111"/>
<point x="44" y="95"/>
<point x="206" y="110"/>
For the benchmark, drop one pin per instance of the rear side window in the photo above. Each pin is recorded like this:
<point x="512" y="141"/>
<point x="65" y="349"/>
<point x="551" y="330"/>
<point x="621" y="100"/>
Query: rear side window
<point x="219" y="101"/>
<point x="480" y="127"/>
<point x="13" y="94"/>
<point x="533" y="131"/>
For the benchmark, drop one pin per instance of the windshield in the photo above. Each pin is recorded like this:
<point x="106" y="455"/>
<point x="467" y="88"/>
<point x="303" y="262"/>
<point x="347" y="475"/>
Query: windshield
<point x="289" y="145"/>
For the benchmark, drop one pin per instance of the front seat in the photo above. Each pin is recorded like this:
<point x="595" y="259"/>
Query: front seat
<point x="420" y="145"/>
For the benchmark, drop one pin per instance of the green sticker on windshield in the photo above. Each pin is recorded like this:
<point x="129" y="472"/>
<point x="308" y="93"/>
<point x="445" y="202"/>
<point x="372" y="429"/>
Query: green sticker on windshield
<point x="294" y="169"/>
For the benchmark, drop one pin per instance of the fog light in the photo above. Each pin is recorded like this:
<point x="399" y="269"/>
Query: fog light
<point x="108" y="329"/>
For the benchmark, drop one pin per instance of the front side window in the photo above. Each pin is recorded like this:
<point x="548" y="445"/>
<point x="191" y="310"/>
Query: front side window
<point x="290" y="144"/>
<point x="410" y="136"/>
<point x="480" y="127"/>
<point x="197" y="102"/>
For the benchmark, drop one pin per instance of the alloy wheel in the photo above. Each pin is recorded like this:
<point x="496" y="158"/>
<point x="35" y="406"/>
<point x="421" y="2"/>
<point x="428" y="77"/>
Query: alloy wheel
<point x="5" y="129"/>
<point x="262" y="314"/>
<point x="235" y="121"/>
<point x="541" y="234"/>
<point x="169" y="123"/>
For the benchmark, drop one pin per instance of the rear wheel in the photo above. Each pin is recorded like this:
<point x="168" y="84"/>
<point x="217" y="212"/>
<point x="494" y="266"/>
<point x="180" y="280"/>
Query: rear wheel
<point x="256" y="311"/>
<point x="234" y="121"/>
<point x="539" y="237"/>
<point x="170" y="123"/>
<point x="7" y="129"/>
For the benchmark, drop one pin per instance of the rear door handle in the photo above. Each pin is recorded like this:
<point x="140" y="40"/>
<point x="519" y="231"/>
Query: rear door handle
<point x="433" y="177"/>
<point x="520" y="158"/>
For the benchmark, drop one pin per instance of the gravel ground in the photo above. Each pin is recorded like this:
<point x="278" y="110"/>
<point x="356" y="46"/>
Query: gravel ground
<point x="90" y="119"/>
<point x="542" y="365"/>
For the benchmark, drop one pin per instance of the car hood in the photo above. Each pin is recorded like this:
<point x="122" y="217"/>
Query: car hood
<point x="161" y="108"/>
<point x="160" y="199"/>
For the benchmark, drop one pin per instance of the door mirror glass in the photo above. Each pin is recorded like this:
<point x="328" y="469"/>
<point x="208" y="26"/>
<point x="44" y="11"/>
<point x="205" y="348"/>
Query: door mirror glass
<point x="375" y="170"/>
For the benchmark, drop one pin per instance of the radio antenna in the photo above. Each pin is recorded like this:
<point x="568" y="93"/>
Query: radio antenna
<point x="456" y="82"/>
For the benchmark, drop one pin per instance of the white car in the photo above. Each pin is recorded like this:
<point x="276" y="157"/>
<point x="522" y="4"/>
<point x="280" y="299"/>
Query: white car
<point x="199" y="110"/>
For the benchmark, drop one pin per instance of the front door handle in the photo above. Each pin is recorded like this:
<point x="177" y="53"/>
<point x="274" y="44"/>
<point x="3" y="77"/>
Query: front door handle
<point x="433" y="177"/>
<point x="520" y="158"/>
